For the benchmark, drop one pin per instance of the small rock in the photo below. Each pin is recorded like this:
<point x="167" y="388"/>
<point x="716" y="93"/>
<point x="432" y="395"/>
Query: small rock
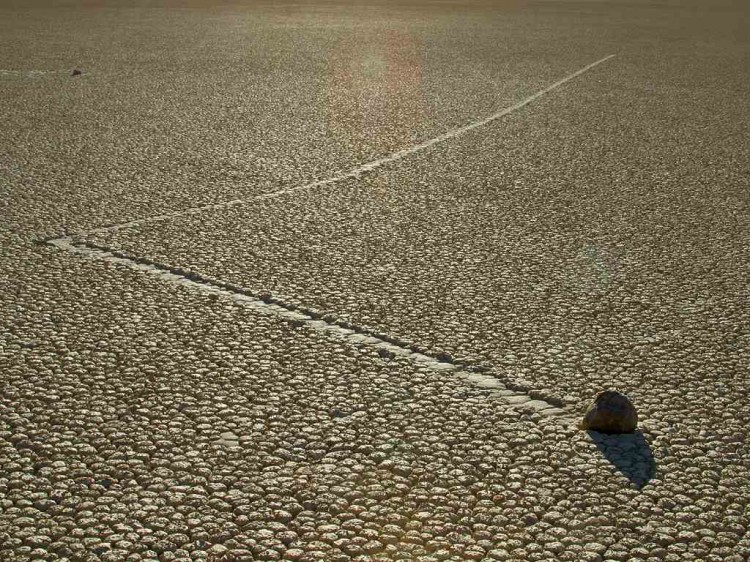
<point x="611" y="412"/>
<point x="76" y="72"/>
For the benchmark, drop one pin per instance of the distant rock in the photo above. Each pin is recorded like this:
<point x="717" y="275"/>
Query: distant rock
<point x="76" y="72"/>
<point x="611" y="412"/>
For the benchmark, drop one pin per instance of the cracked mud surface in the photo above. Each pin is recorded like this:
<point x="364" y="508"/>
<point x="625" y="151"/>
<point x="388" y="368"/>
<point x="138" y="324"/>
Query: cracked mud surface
<point x="550" y="245"/>
<point x="598" y="238"/>
<point x="185" y="106"/>
<point x="145" y="421"/>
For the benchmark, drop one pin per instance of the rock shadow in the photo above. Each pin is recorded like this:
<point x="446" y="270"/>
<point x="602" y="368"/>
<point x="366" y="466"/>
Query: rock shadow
<point x="629" y="453"/>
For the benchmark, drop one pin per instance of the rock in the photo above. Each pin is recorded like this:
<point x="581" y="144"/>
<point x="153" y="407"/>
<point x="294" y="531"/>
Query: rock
<point x="611" y="412"/>
<point x="76" y="72"/>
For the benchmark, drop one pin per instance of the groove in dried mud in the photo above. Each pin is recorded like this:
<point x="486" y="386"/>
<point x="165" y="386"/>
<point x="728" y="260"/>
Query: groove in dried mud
<point x="362" y="168"/>
<point x="494" y="384"/>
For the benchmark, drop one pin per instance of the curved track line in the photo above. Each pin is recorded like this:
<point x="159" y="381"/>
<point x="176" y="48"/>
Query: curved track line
<point x="367" y="167"/>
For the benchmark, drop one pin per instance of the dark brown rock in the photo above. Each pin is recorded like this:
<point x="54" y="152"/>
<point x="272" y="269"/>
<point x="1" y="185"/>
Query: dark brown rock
<point x="611" y="412"/>
<point x="76" y="72"/>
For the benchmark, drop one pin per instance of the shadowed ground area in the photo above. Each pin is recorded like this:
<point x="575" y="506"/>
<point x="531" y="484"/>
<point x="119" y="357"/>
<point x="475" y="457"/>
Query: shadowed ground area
<point x="595" y="238"/>
<point x="629" y="453"/>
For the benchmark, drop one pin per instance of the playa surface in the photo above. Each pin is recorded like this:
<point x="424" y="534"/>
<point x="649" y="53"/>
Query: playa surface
<point x="337" y="280"/>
